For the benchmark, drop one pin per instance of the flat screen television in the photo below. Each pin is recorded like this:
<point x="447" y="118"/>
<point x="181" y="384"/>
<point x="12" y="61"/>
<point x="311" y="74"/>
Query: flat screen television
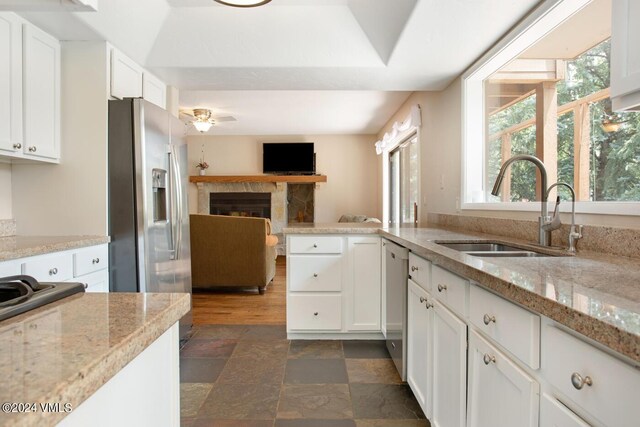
<point x="288" y="158"/>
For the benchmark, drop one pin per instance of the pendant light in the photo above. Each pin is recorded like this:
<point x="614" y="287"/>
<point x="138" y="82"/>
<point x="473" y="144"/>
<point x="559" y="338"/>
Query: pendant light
<point x="243" y="3"/>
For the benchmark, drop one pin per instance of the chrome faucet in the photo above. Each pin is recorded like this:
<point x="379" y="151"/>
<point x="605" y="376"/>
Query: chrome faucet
<point x="544" y="231"/>
<point x="575" y="233"/>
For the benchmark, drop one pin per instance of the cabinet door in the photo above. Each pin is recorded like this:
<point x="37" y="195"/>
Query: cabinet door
<point x="555" y="414"/>
<point x="94" y="282"/>
<point x="419" y="356"/>
<point x="500" y="393"/>
<point x="449" y="368"/>
<point x="41" y="93"/>
<point x="363" y="284"/>
<point x="154" y="90"/>
<point x="625" y="55"/>
<point x="10" y="83"/>
<point x="126" y="76"/>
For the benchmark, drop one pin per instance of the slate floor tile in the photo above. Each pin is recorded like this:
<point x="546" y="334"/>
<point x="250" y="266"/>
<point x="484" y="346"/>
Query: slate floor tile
<point x="221" y="332"/>
<point x="377" y="371"/>
<point x="241" y="401"/>
<point x="392" y="423"/>
<point x="384" y="401"/>
<point x="260" y="350"/>
<point x="200" y="370"/>
<point x="265" y="333"/>
<point x="316" y="371"/>
<point x="315" y="349"/>
<point x="365" y="349"/>
<point x="239" y="371"/>
<point x="315" y="423"/>
<point x="324" y="401"/>
<point x="192" y="396"/>
<point x="213" y="348"/>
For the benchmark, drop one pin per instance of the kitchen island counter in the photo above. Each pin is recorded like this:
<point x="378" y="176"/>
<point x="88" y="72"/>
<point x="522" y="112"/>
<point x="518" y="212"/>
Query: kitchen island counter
<point x="62" y="353"/>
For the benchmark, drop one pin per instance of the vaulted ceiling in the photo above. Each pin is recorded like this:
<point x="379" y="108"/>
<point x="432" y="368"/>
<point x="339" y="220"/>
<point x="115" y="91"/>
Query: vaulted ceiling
<point x="313" y="45"/>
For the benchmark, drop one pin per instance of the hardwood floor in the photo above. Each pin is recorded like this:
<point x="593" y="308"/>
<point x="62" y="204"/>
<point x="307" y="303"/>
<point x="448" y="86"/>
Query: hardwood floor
<point x="244" y="307"/>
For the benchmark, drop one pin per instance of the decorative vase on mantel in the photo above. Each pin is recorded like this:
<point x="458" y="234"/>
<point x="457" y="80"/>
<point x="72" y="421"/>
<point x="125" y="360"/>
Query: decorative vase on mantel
<point x="203" y="172"/>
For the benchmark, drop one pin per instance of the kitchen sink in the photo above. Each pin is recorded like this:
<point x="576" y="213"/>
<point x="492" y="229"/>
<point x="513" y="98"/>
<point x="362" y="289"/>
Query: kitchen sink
<point x="492" y="249"/>
<point x="19" y="294"/>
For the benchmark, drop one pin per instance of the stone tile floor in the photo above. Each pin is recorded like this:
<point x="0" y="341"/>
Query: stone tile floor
<point x="252" y="376"/>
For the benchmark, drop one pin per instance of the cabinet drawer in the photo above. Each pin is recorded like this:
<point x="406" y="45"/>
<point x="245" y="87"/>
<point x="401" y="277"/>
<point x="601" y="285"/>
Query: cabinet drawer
<point x="555" y="414"/>
<point x="315" y="245"/>
<point x="50" y="268"/>
<point x="450" y="289"/>
<point x="90" y="259"/>
<point x="513" y="327"/>
<point x="419" y="271"/>
<point x="94" y="282"/>
<point x="315" y="273"/>
<point x="10" y="268"/>
<point x="613" y="396"/>
<point x="314" y="312"/>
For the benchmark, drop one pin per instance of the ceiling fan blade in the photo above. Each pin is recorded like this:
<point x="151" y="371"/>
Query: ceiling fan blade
<point x="225" y="119"/>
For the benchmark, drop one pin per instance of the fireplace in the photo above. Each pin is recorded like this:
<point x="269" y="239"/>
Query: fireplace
<point x="240" y="204"/>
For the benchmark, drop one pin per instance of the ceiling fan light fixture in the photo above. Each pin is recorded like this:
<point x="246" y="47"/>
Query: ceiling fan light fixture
<point x="202" y="126"/>
<point x="243" y="3"/>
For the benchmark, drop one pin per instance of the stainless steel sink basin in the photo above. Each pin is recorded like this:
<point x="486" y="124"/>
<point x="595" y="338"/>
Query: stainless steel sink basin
<point x="19" y="294"/>
<point x="492" y="249"/>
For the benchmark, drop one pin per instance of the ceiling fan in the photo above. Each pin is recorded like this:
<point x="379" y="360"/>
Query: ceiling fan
<point x="202" y="119"/>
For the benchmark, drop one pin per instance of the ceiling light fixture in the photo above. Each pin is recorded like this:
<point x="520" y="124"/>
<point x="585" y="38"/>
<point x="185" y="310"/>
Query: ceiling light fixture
<point x="243" y="3"/>
<point x="203" y="121"/>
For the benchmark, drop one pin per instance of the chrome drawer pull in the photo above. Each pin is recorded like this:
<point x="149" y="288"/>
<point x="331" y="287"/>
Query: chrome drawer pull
<point x="315" y="245"/>
<point x="414" y="268"/>
<point x="315" y="314"/>
<point x="579" y="382"/>
<point x="53" y="271"/>
<point x="488" y="359"/>
<point x="315" y="274"/>
<point x="428" y="304"/>
<point x="488" y="319"/>
<point x="17" y="146"/>
<point x="422" y="299"/>
<point x="32" y="149"/>
<point x="442" y="288"/>
<point x="95" y="261"/>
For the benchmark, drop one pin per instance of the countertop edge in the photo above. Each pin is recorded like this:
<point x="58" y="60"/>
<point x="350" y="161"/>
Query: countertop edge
<point x="78" y="388"/>
<point x="47" y="248"/>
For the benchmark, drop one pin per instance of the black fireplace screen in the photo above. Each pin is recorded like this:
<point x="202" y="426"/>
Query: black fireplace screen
<point x="240" y="204"/>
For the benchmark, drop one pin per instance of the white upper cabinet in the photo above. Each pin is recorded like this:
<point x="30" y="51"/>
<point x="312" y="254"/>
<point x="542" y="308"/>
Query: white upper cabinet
<point x="50" y="5"/>
<point x="625" y="55"/>
<point x="126" y="76"/>
<point x="10" y="83"/>
<point x="154" y="90"/>
<point x="41" y="73"/>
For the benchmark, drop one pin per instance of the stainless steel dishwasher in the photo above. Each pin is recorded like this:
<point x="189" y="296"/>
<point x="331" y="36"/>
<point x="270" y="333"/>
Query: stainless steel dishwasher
<point x="397" y="269"/>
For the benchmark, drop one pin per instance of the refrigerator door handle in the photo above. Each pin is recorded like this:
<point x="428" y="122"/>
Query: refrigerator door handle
<point x="176" y="221"/>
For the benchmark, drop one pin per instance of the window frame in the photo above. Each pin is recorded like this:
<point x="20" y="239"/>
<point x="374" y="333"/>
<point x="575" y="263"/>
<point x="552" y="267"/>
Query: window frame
<point x="473" y="178"/>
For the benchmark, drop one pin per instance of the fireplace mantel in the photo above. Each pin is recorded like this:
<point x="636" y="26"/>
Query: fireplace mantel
<point x="258" y="178"/>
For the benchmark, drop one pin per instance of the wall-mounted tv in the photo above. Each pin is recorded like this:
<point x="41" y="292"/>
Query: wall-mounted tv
<point x="288" y="158"/>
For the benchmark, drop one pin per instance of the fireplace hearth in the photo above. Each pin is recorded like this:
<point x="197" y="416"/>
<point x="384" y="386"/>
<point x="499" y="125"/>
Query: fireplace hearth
<point x="240" y="204"/>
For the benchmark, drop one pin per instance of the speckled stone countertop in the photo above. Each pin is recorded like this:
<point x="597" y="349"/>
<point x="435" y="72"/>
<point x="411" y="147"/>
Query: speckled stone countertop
<point x="14" y="247"/>
<point x="65" y="351"/>
<point x="595" y="294"/>
<point x="334" y="228"/>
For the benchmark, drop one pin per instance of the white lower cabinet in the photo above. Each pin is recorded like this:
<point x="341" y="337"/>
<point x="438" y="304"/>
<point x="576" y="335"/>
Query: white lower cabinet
<point x="449" y="372"/>
<point x="555" y="414"/>
<point x="94" y="282"/>
<point x="500" y="393"/>
<point x="419" y="355"/>
<point x="334" y="284"/>
<point x="10" y="268"/>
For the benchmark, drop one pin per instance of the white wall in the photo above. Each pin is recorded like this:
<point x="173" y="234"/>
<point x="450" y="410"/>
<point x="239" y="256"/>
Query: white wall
<point x="349" y="161"/>
<point x="71" y="198"/>
<point x="441" y="142"/>
<point x="5" y="191"/>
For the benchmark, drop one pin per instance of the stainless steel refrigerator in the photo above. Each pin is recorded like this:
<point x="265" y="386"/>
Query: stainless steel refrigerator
<point x="150" y="248"/>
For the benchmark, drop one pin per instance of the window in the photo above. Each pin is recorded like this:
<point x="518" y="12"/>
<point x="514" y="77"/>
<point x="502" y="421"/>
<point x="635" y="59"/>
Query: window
<point x="546" y="93"/>
<point x="403" y="181"/>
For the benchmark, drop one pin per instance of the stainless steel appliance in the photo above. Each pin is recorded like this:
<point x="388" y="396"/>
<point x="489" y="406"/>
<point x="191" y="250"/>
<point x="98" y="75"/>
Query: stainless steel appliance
<point x="396" y="274"/>
<point x="150" y="249"/>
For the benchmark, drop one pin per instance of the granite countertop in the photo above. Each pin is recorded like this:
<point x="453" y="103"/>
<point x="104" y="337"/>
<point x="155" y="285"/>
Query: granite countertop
<point x="333" y="228"/>
<point x="594" y="294"/>
<point x="14" y="247"/>
<point x="64" y="351"/>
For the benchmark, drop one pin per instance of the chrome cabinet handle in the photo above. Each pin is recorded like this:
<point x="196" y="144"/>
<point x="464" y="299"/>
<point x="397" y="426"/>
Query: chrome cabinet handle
<point x="578" y="381"/>
<point x="95" y="261"/>
<point x="442" y="288"/>
<point x="17" y="146"/>
<point x="488" y="319"/>
<point x="422" y="299"/>
<point x="414" y="268"/>
<point x="315" y="314"/>
<point x="488" y="359"/>
<point x="315" y="274"/>
<point x="428" y="304"/>
<point x="315" y="245"/>
<point x="53" y="271"/>
<point x="32" y="149"/>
